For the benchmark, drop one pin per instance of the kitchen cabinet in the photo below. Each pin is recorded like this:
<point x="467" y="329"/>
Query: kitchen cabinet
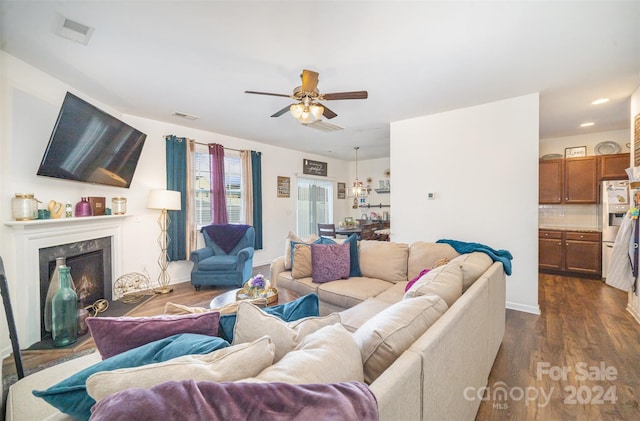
<point x="550" y="181"/>
<point x="612" y="167"/>
<point x="578" y="252"/>
<point x="581" y="180"/>
<point x="573" y="180"/>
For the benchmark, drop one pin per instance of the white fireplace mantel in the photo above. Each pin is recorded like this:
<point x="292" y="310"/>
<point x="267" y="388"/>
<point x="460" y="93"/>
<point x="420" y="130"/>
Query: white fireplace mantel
<point x="30" y="237"/>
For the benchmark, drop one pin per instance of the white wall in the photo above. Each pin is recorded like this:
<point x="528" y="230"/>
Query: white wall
<point x="30" y="103"/>
<point x="634" y="299"/>
<point x="482" y="164"/>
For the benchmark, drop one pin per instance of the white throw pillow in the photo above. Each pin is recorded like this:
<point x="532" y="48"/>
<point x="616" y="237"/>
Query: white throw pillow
<point x="253" y="323"/>
<point x="329" y="355"/>
<point x="287" y="246"/>
<point x="384" y="337"/>
<point x="443" y="281"/>
<point x="226" y="364"/>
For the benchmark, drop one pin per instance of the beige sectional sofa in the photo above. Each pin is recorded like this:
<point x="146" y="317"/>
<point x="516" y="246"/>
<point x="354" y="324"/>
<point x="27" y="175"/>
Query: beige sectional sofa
<point x="436" y="377"/>
<point x="428" y="374"/>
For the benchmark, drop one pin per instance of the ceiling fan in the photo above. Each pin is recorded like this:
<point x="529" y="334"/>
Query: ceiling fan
<point x="308" y="109"/>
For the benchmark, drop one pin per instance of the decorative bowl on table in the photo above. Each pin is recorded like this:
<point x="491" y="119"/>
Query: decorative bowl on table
<point x="258" y="287"/>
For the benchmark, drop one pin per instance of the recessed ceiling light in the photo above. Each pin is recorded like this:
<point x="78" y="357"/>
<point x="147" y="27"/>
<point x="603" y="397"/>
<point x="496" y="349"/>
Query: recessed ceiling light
<point x="600" y="101"/>
<point x="588" y="124"/>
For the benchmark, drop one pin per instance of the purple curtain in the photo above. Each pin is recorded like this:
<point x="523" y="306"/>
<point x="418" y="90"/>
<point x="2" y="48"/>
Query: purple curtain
<point x="218" y="193"/>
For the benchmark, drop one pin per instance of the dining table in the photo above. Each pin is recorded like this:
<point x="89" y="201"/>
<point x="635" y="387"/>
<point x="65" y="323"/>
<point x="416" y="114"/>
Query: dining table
<point x="348" y="230"/>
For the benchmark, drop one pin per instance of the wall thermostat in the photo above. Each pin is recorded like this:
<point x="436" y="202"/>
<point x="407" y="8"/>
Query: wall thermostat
<point x="431" y="196"/>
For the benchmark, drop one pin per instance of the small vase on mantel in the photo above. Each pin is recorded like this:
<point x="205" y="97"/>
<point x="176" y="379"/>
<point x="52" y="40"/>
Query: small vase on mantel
<point x="83" y="207"/>
<point x="64" y="324"/>
<point x="54" y="286"/>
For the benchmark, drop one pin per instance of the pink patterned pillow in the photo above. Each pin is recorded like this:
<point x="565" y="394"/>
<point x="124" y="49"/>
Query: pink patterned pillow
<point x="414" y="280"/>
<point x="330" y="262"/>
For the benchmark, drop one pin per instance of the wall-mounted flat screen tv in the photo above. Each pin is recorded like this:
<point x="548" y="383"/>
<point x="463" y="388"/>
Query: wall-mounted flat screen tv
<point x="89" y="145"/>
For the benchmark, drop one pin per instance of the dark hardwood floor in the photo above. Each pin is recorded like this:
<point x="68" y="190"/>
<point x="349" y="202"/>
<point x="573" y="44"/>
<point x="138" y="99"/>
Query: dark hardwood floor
<point x="578" y="360"/>
<point x="584" y="330"/>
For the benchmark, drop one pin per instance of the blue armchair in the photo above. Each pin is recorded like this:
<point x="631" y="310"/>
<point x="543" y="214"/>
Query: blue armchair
<point x="227" y="258"/>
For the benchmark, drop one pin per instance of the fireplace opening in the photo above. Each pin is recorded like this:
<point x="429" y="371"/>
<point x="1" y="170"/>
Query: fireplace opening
<point x="90" y="263"/>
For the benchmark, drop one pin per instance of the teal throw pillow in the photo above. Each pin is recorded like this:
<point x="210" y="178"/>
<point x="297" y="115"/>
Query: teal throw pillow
<point x="354" y="269"/>
<point x="70" y="395"/>
<point x="305" y="306"/>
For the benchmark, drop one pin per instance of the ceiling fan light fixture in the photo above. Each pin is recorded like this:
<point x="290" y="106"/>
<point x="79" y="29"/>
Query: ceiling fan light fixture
<point x="296" y="110"/>
<point x="316" y="111"/>
<point x="305" y="117"/>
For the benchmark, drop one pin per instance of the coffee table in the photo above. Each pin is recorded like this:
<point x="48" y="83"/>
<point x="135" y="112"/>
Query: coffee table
<point x="284" y="296"/>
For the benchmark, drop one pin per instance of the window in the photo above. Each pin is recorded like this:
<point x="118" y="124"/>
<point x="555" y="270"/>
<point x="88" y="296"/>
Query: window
<point x="232" y="177"/>
<point x="314" y="204"/>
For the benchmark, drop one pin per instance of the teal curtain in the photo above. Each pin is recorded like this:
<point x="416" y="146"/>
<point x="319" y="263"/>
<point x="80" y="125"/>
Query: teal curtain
<point x="256" y="181"/>
<point x="176" y="159"/>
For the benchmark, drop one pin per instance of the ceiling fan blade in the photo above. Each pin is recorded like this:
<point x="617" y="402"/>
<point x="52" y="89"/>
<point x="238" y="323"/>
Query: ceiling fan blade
<point x="282" y="111"/>
<point x="266" y="93"/>
<point x="309" y="80"/>
<point x="346" y="95"/>
<point x="328" y="113"/>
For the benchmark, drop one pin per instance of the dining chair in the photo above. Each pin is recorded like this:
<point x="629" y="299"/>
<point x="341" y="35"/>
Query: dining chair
<point x="327" y="230"/>
<point x="11" y="322"/>
<point x="368" y="231"/>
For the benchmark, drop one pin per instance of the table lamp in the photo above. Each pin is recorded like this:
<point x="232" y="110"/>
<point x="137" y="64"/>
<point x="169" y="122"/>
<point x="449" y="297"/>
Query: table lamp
<point x="164" y="200"/>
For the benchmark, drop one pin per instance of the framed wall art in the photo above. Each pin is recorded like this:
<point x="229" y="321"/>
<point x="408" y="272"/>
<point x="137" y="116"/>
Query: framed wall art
<point x="342" y="191"/>
<point x="575" y="152"/>
<point x="284" y="186"/>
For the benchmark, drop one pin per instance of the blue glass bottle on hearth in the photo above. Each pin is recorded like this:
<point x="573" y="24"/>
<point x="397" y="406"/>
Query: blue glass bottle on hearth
<point x="64" y="306"/>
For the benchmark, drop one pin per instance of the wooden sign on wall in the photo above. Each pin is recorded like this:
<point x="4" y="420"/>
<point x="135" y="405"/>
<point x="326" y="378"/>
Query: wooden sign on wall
<point x="314" y="167"/>
<point x="284" y="186"/>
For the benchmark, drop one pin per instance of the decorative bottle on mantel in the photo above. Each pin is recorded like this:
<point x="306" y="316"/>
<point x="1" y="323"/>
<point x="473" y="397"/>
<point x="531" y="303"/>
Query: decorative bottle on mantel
<point x="54" y="286"/>
<point x="64" y="326"/>
<point x="83" y="207"/>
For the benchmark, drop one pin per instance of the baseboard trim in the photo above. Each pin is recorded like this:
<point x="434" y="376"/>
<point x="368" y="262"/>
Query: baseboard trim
<point x="524" y="308"/>
<point x="634" y="312"/>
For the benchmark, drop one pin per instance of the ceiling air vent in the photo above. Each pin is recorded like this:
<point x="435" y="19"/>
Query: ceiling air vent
<point x="185" y="116"/>
<point x="75" y="31"/>
<point x="323" y="126"/>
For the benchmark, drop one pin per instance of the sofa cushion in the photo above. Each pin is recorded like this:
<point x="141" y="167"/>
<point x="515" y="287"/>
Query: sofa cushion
<point x="114" y="335"/>
<point x="70" y="395"/>
<point x="305" y="306"/>
<point x="444" y="281"/>
<point x="330" y="262"/>
<point x="394" y="294"/>
<point x="227" y="364"/>
<point x="328" y="355"/>
<point x="287" y="246"/>
<point x="352" y="291"/>
<point x="424" y="255"/>
<point x="301" y="286"/>
<point x="473" y="265"/>
<point x="219" y="263"/>
<point x="252" y="323"/>
<point x="384" y="260"/>
<point x="354" y="317"/>
<point x="301" y="266"/>
<point x="389" y="333"/>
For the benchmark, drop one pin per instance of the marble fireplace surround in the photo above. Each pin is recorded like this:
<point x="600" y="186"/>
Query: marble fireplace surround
<point x="30" y="237"/>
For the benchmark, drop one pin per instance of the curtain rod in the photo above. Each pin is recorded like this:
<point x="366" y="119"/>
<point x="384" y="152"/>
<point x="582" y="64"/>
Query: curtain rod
<point x="206" y="144"/>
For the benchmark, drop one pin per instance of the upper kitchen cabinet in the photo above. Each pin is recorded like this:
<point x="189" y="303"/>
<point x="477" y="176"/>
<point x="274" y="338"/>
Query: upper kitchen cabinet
<point x="581" y="180"/>
<point x="612" y="167"/>
<point x="573" y="180"/>
<point x="551" y="175"/>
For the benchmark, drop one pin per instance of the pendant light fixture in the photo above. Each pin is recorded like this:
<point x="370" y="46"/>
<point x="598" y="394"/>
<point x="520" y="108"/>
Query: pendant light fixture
<point x="358" y="189"/>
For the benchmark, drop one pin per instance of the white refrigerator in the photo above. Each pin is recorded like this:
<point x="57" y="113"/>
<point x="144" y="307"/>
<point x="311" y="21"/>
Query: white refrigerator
<point x="615" y="204"/>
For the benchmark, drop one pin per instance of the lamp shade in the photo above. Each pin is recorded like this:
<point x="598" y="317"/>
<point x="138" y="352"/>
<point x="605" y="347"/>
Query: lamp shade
<point x="164" y="199"/>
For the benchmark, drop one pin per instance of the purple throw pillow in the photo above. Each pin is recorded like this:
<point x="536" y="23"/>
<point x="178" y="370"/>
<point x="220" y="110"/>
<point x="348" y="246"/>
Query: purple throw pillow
<point x="414" y="280"/>
<point x="330" y="262"/>
<point x="114" y="335"/>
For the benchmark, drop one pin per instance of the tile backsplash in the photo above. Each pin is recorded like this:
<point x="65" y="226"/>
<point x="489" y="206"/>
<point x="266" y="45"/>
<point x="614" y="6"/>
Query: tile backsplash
<point x="569" y="216"/>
